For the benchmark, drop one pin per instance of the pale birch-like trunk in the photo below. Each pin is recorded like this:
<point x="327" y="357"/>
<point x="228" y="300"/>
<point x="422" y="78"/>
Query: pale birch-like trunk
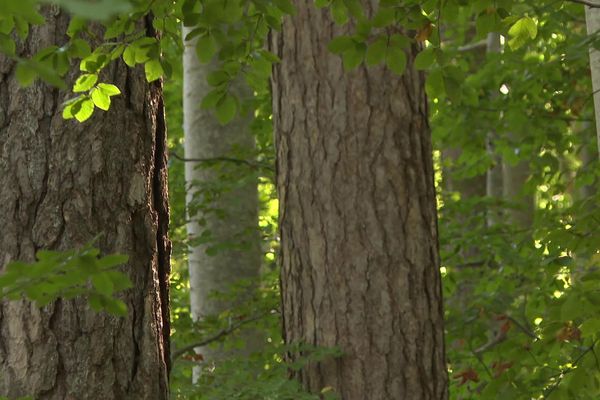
<point x="237" y="219"/>
<point x="494" y="173"/>
<point x="592" y="19"/>
<point x="514" y="178"/>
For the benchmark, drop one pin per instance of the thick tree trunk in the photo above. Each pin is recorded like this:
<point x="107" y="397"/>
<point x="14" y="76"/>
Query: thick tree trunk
<point x="592" y="19"/>
<point x="231" y="216"/>
<point x="61" y="184"/>
<point x="359" y="254"/>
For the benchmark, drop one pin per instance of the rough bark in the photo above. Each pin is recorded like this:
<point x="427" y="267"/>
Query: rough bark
<point x="61" y="184"/>
<point x="236" y="223"/>
<point x="592" y="19"/>
<point x="359" y="254"/>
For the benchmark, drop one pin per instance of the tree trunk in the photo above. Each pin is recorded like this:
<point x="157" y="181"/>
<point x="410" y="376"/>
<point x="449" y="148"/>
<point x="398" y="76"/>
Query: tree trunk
<point x="61" y="184"/>
<point x="359" y="253"/>
<point x="514" y="178"/>
<point x="592" y="19"/>
<point x="494" y="174"/>
<point x="229" y="216"/>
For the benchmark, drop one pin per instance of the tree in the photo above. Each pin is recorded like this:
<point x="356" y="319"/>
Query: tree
<point x="62" y="184"/>
<point x="592" y="18"/>
<point x="222" y="198"/>
<point x="360" y="267"/>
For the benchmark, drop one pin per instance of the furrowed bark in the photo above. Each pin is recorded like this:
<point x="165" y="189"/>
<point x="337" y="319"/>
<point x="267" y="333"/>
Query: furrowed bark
<point x="61" y="184"/>
<point x="359" y="253"/>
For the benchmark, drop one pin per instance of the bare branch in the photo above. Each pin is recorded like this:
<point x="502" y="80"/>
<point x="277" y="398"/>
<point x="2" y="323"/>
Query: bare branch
<point x="217" y="336"/>
<point x="249" y="163"/>
<point x="473" y="46"/>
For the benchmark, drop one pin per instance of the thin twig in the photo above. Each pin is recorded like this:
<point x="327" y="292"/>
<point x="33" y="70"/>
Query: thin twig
<point x="217" y="336"/>
<point x="252" y="164"/>
<point x="561" y="374"/>
<point x="473" y="46"/>
<point x="523" y="328"/>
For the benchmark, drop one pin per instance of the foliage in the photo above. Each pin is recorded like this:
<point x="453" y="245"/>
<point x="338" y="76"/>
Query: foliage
<point x="68" y="274"/>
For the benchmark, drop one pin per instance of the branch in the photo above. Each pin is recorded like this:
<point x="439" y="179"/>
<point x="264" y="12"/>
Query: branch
<point x="217" y="336"/>
<point x="562" y="373"/>
<point x="473" y="46"/>
<point x="224" y="159"/>
<point x="586" y="3"/>
<point x="523" y="328"/>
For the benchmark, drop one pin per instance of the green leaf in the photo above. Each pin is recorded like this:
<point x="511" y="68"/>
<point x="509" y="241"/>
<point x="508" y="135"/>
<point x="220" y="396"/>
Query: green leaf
<point x="286" y="6"/>
<point x="7" y="45"/>
<point x="341" y="44"/>
<point x="115" y="29"/>
<point x="25" y="74"/>
<point x="112" y="260"/>
<point x="129" y="56"/>
<point x="212" y="98"/>
<point x="153" y="70"/>
<point x="396" y="60"/>
<point x="434" y="85"/>
<point x="354" y="56"/>
<point x="206" y="47"/>
<point x="116" y="307"/>
<point x="398" y="40"/>
<point x="488" y="22"/>
<point x="425" y="59"/>
<point x="339" y="12"/>
<point x="590" y="327"/>
<point x="267" y="55"/>
<point x="217" y="78"/>
<point x="96" y="10"/>
<point x="96" y="302"/>
<point x="100" y="99"/>
<point x="376" y="52"/>
<point x="226" y="108"/>
<point x="384" y="17"/>
<point x="76" y="25"/>
<point x="71" y="106"/>
<point x="522" y="30"/>
<point x="85" y="111"/>
<point x="119" y="280"/>
<point x="94" y="62"/>
<point x="109" y="89"/>
<point x="85" y="82"/>
<point x="102" y="284"/>
<point x="79" y="48"/>
<point x="572" y="307"/>
<point x="355" y="8"/>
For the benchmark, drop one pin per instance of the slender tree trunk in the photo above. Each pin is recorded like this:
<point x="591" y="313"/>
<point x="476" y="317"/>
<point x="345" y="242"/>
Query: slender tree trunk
<point x="592" y="19"/>
<point x="229" y="215"/>
<point x="359" y="253"/>
<point x="61" y="184"/>
<point x="514" y="178"/>
<point x="494" y="174"/>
